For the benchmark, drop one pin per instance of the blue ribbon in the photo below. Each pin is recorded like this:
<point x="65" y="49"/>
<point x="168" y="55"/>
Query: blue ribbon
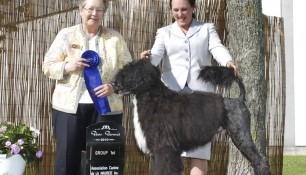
<point x="93" y="79"/>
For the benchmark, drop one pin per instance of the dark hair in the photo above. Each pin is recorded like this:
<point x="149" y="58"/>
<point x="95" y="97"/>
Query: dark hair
<point x="191" y="2"/>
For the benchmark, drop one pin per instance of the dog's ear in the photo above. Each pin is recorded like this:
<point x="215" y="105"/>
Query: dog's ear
<point x="145" y="75"/>
<point x="157" y="71"/>
<point x="145" y="65"/>
<point x="152" y="71"/>
<point x="137" y="76"/>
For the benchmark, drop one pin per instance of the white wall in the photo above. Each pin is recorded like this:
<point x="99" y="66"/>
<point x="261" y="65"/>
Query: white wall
<point x="287" y="14"/>
<point x="299" y="38"/>
<point x="293" y="13"/>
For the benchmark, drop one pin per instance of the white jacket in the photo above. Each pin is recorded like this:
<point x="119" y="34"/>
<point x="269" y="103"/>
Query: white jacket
<point x="184" y="55"/>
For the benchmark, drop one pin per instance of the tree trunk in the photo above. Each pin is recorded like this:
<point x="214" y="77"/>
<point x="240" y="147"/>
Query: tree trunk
<point x="246" y="44"/>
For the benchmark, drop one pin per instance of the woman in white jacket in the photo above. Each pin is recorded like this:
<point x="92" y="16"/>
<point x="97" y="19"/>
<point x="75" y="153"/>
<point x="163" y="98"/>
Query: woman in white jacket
<point x="185" y="46"/>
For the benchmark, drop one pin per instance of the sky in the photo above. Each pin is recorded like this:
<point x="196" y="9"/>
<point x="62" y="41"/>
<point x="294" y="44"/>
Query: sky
<point x="271" y="7"/>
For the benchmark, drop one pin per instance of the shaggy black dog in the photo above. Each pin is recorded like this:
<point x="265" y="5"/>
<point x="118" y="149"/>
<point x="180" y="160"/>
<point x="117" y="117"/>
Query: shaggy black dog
<point x="167" y="122"/>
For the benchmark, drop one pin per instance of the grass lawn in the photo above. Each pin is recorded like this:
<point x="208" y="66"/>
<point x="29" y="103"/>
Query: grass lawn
<point x="294" y="165"/>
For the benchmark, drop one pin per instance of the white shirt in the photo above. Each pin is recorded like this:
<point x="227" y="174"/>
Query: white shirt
<point x="85" y="97"/>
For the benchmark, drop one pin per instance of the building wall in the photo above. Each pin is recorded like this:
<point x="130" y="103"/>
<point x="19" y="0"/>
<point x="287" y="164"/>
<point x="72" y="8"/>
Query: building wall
<point x="299" y="38"/>
<point x="287" y="14"/>
<point x="293" y="14"/>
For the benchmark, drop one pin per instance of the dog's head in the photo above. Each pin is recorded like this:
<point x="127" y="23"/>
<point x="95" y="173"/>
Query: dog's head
<point x="136" y="77"/>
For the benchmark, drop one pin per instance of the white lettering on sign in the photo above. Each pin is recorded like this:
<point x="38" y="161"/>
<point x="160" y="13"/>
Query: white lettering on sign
<point x="99" y="168"/>
<point x="104" y="140"/>
<point x="108" y="133"/>
<point x="94" y="133"/>
<point x="101" y="153"/>
<point x="113" y="168"/>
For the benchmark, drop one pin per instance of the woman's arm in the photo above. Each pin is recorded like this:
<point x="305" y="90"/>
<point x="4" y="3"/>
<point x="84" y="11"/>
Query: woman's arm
<point x="54" y="61"/>
<point x="157" y="52"/>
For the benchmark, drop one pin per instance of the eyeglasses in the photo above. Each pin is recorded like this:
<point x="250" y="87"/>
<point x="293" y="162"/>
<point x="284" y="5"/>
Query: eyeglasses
<point x="91" y="10"/>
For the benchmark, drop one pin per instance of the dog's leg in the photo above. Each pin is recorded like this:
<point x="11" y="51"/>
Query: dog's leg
<point x="166" y="162"/>
<point x="238" y="128"/>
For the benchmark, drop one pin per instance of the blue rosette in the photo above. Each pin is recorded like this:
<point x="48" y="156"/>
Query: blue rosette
<point x="93" y="79"/>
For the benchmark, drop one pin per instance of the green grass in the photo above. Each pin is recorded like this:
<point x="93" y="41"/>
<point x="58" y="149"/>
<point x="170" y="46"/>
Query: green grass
<point x="294" y="165"/>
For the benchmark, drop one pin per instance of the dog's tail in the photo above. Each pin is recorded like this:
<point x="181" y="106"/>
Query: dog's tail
<point x="223" y="77"/>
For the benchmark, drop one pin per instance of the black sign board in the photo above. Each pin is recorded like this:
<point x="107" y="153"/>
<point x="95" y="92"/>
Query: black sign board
<point x="105" y="147"/>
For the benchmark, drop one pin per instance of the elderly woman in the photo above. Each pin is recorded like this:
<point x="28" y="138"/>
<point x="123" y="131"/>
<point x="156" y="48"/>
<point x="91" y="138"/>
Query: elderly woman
<point x="72" y="107"/>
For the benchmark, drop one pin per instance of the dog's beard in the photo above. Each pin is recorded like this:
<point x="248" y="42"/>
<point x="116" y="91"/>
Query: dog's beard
<point x="123" y="93"/>
<point x="118" y="90"/>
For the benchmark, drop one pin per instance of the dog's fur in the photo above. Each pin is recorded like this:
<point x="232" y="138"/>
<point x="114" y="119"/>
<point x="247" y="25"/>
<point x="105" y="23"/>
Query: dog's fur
<point x="168" y="123"/>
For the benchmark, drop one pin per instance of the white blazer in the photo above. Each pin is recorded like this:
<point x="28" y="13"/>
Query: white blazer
<point x="184" y="55"/>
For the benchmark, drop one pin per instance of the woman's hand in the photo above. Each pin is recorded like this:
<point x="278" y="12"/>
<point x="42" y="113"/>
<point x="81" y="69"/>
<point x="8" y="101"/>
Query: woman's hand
<point x="104" y="90"/>
<point x="76" y="65"/>
<point x="145" y="54"/>
<point x="231" y="64"/>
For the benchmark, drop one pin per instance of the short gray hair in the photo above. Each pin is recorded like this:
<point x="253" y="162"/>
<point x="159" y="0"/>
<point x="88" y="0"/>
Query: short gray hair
<point x="82" y="4"/>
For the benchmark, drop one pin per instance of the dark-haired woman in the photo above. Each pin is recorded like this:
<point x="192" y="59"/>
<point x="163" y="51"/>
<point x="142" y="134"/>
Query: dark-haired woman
<point x="184" y="47"/>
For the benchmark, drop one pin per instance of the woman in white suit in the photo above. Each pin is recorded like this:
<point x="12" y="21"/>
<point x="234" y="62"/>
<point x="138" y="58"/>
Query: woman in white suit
<point x="185" y="46"/>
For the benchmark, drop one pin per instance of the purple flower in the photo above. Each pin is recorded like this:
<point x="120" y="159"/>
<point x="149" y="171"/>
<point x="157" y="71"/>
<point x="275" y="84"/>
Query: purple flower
<point x="15" y="149"/>
<point x="2" y="128"/>
<point x="8" y="143"/>
<point x="20" y="141"/>
<point x="38" y="154"/>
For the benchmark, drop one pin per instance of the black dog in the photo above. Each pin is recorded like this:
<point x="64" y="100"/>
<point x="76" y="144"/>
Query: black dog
<point x="167" y="122"/>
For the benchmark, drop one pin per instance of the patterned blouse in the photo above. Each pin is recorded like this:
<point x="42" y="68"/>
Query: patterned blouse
<point x="69" y="44"/>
